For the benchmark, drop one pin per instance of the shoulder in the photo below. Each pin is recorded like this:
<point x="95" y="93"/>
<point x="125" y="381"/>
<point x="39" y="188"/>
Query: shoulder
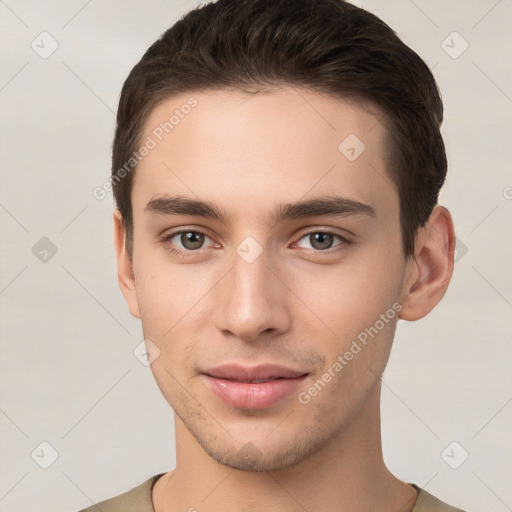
<point x="137" y="499"/>
<point x="428" y="503"/>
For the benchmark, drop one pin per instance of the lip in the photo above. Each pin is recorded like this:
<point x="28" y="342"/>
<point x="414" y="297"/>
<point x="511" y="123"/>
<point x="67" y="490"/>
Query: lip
<point x="258" y="372"/>
<point x="231" y="384"/>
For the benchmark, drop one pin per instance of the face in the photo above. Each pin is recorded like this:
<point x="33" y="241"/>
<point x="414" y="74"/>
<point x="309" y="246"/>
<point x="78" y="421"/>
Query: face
<point x="257" y="279"/>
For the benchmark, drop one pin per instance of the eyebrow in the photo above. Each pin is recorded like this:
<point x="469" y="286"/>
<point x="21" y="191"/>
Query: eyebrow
<point x="317" y="207"/>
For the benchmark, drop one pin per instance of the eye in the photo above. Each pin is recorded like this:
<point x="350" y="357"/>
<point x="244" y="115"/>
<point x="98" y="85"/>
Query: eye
<point x="323" y="240"/>
<point x="190" y="240"/>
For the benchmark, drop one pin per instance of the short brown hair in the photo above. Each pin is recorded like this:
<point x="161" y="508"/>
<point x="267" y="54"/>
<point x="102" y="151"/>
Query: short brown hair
<point x="329" y="46"/>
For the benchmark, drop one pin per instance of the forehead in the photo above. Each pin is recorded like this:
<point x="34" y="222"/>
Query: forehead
<point x="279" y="144"/>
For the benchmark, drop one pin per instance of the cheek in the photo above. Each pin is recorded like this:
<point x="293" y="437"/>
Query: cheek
<point x="166" y="291"/>
<point x="345" y="299"/>
<point x="171" y="301"/>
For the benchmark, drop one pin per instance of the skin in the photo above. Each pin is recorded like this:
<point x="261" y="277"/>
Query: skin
<point x="294" y="305"/>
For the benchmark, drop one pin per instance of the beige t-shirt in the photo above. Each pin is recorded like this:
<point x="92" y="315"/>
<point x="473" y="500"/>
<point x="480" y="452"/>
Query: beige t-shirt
<point x="139" y="500"/>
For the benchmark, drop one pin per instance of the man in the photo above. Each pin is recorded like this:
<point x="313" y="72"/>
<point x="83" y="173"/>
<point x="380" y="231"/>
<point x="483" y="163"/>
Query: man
<point x="276" y="169"/>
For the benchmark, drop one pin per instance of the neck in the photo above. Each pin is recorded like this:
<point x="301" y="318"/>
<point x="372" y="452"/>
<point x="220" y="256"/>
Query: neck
<point x="348" y="473"/>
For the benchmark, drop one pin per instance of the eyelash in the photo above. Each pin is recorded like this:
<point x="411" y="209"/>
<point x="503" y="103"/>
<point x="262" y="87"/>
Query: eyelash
<point x="344" y="242"/>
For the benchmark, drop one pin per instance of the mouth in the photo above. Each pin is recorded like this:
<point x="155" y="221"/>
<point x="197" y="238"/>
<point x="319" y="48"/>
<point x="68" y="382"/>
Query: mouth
<point x="262" y="372"/>
<point x="256" y="387"/>
<point x="254" y="381"/>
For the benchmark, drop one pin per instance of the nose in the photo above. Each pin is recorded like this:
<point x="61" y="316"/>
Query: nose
<point x="251" y="300"/>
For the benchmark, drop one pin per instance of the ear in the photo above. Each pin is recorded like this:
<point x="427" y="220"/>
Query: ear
<point x="429" y="271"/>
<point x="125" y="275"/>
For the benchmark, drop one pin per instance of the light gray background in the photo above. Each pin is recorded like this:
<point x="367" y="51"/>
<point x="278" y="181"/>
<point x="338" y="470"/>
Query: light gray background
<point x="67" y="372"/>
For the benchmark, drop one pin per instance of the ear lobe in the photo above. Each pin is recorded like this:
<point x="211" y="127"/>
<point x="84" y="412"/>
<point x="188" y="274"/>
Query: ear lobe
<point x="125" y="274"/>
<point x="430" y="270"/>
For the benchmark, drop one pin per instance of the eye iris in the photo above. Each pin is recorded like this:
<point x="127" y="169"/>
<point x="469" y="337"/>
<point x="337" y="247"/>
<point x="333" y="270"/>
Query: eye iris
<point x="318" y="240"/>
<point x="192" y="240"/>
